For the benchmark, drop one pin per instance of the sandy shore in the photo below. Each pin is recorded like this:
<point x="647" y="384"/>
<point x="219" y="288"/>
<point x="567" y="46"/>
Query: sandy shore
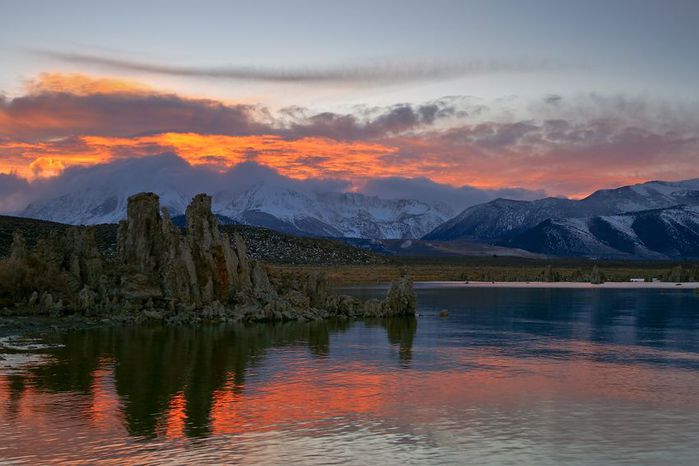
<point x="615" y="285"/>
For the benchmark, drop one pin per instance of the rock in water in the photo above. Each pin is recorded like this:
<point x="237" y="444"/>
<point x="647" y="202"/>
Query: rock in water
<point x="444" y="313"/>
<point x="400" y="300"/>
<point x="72" y="254"/>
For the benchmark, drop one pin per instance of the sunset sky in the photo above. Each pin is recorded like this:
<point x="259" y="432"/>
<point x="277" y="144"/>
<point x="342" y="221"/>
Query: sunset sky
<point x="557" y="98"/>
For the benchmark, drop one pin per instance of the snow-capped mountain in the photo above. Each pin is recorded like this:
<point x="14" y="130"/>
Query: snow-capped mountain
<point x="87" y="207"/>
<point x="301" y="212"/>
<point x="350" y="215"/>
<point x="504" y="218"/>
<point x="658" y="233"/>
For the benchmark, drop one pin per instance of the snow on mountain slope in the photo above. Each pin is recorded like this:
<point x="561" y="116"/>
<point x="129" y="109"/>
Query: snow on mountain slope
<point x="99" y="194"/>
<point x="503" y="218"/>
<point x="94" y="206"/>
<point x="280" y="208"/>
<point x="334" y="214"/>
<point x="657" y="233"/>
<point x="645" y="196"/>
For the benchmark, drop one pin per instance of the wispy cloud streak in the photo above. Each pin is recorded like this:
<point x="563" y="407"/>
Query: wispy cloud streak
<point x="378" y="72"/>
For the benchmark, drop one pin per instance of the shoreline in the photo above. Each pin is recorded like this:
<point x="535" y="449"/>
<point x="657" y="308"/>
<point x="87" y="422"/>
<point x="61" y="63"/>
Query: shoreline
<point x="540" y="285"/>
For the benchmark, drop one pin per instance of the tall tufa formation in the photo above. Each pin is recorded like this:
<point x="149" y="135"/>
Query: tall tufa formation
<point x="154" y="260"/>
<point x="197" y="269"/>
<point x="215" y="263"/>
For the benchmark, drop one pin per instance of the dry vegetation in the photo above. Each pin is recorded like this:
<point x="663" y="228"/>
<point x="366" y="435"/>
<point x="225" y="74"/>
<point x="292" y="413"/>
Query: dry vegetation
<point x="500" y="269"/>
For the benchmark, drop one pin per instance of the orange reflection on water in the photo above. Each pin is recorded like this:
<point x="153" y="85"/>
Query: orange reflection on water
<point x="104" y="411"/>
<point x="300" y="398"/>
<point x="317" y="394"/>
<point x="175" y="417"/>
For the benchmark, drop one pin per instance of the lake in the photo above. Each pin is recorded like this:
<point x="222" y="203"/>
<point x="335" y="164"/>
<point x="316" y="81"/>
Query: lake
<point x="511" y="376"/>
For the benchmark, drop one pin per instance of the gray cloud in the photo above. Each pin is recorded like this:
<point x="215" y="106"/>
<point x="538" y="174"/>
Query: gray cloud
<point x="138" y="113"/>
<point x="168" y="173"/>
<point x="372" y="73"/>
<point x="376" y="123"/>
<point x="456" y="198"/>
<point x="15" y="192"/>
<point x="122" y="114"/>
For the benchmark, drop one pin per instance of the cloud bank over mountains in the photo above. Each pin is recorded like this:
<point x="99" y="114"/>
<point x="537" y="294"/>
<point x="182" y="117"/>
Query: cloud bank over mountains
<point x="168" y="173"/>
<point x="458" y="147"/>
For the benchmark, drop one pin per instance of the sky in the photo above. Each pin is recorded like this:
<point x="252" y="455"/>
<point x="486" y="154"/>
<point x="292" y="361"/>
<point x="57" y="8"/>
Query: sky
<point x="545" y="97"/>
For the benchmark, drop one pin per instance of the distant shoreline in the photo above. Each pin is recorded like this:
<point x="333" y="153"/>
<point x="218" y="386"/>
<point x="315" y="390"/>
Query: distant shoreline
<point x="533" y="284"/>
<point x="616" y="285"/>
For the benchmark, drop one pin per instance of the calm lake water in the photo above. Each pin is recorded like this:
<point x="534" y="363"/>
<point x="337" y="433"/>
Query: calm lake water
<point x="512" y="376"/>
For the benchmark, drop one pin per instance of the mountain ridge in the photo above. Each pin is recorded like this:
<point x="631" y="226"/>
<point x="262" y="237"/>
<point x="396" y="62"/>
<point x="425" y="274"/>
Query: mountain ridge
<point x="503" y="218"/>
<point x="661" y="233"/>
<point x="305" y="213"/>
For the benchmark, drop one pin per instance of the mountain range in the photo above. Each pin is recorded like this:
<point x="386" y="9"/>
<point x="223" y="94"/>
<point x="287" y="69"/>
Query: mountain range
<point x="656" y="219"/>
<point x="651" y="220"/>
<point x="297" y="212"/>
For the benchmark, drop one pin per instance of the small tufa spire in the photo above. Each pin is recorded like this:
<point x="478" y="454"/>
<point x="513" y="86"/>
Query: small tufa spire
<point x="18" y="249"/>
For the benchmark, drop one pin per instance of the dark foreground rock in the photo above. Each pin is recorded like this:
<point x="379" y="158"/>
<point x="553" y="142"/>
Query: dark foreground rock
<point x="161" y="274"/>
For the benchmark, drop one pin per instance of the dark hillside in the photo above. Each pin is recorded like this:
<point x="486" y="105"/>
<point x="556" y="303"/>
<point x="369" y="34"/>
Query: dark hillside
<point x="263" y="244"/>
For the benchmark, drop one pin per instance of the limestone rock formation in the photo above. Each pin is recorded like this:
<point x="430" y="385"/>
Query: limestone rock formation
<point x="401" y="299"/>
<point x="71" y="257"/>
<point x="163" y="273"/>
<point x="195" y="269"/>
<point x="215" y="264"/>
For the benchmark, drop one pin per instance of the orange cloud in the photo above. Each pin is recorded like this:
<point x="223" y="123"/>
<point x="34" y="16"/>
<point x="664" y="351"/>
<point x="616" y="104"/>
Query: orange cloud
<point x="319" y="157"/>
<point x="83" y="85"/>
<point x="295" y="158"/>
<point x="46" y="167"/>
<point x="67" y="120"/>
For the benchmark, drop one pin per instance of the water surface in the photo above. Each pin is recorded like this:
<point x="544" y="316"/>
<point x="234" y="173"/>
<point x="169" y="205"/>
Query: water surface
<point x="512" y="376"/>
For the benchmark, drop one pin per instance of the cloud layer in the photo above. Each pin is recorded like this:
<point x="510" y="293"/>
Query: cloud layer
<point x="556" y="144"/>
<point x="173" y="177"/>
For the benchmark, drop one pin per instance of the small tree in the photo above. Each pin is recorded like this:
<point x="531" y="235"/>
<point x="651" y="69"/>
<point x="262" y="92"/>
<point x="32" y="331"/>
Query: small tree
<point x="677" y="274"/>
<point x="577" y="276"/>
<point x="596" y="276"/>
<point x="550" y="275"/>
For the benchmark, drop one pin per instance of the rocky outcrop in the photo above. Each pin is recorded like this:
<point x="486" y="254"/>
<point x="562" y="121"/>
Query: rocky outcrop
<point x="215" y="263"/>
<point x="196" y="269"/>
<point x="400" y="300"/>
<point x="51" y="276"/>
<point x="163" y="273"/>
